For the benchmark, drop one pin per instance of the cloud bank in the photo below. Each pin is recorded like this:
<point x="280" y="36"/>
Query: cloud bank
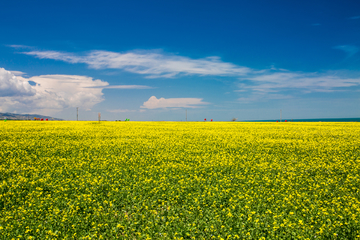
<point x="154" y="103"/>
<point x="263" y="84"/>
<point x="149" y="63"/>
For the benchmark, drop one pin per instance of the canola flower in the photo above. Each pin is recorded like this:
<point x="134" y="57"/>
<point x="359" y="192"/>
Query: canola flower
<point x="168" y="180"/>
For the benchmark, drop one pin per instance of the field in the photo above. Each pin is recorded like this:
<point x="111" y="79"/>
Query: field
<point x="163" y="180"/>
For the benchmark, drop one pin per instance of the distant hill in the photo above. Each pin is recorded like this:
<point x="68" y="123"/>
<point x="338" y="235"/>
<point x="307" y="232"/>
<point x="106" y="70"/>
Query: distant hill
<point x="14" y="116"/>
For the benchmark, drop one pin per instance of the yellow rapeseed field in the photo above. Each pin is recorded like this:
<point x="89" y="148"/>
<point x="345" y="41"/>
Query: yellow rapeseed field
<point x="179" y="180"/>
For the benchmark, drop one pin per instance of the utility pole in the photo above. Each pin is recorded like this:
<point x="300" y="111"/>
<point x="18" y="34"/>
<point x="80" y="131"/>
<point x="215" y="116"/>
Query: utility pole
<point x="77" y="114"/>
<point x="186" y="114"/>
<point x="280" y="115"/>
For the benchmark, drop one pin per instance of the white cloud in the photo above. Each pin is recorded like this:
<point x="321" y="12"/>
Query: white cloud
<point x="63" y="91"/>
<point x="154" y="103"/>
<point x="349" y="49"/>
<point x="150" y="63"/>
<point x="10" y="85"/>
<point x="51" y="93"/>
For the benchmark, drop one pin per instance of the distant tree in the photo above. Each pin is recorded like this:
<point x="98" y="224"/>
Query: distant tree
<point x="234" y="119"/>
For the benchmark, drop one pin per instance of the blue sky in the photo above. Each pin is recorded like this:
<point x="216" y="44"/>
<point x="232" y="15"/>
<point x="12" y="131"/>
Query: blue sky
<point x="153" y="60"/>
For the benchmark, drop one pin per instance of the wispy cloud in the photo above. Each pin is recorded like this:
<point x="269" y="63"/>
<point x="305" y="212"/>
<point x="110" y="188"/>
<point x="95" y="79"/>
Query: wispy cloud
<point x="20" y="46"/>
<point x="150" y="63"/>
<point x="349" y="49"/>
<point x="154" y="103"/>
<point x="274" y="85"/>
<point x="355" y="17"/>
<point x="127" y="87"/>
<point x="121" y="110"/>
<point x="17" y="73"/>
<point x="261" y="96"/>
